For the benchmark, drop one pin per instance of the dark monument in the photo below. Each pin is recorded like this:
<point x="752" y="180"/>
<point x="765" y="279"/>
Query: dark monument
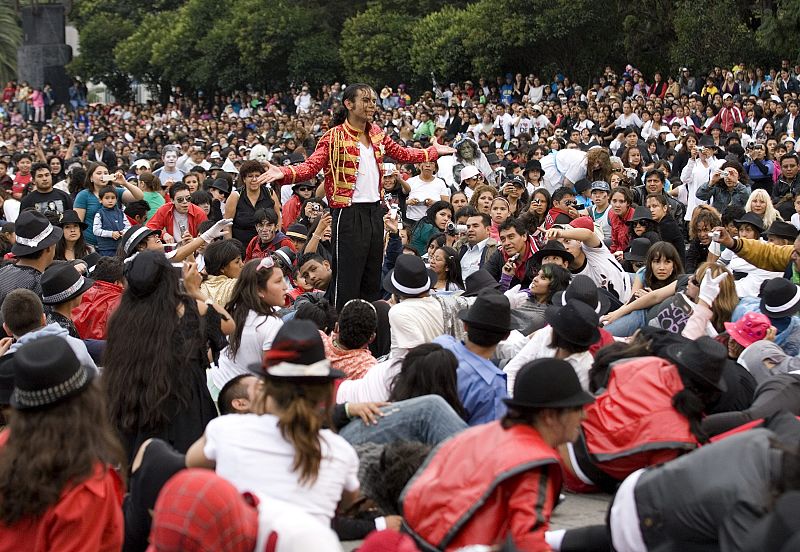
<point x="44" y="52"/>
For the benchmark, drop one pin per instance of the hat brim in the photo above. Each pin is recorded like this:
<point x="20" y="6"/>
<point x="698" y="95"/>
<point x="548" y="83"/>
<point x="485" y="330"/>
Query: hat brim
<point x="628" y="256"/>
<point x="21" y="250"/>
<point x="483" y="324"/>
<point x="259" y="371"/>
<point x="87" y="283"/>
<point x="18" y="405"/>
<point x="79" y="222"/>
<point x="792" y="308"/>
<point x="675" y="353"/>
<point x="738" y="336"/>
<point x="296" y="236"/>
<point x="475" y="292"/>
<point x="581" y="398"/>
<point x="139" y="239"/>
<point x="389" y="286"/>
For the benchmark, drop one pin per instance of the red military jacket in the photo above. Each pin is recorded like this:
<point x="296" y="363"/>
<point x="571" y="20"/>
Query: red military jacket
<point x="337" y="154"/>
<point x="634" y="417"/>
<point x="482" y="485"/>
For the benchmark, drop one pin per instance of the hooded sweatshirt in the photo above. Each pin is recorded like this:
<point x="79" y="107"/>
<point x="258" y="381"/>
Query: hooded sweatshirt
<point x="77" y="345"/>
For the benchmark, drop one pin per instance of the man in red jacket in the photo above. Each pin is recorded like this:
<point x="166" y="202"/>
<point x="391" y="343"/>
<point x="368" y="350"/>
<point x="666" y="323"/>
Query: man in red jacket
<point x="101" y="300"/>
<point x="467" y="493"/>
<point x="179" y="219"/>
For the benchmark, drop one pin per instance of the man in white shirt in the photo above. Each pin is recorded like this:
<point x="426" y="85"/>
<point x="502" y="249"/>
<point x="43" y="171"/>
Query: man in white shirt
<point x="478" y="245"/>
<point x="538" y="120"/>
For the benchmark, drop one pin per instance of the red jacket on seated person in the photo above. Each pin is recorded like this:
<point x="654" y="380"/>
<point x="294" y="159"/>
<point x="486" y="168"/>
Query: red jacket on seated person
<point x="98" y="304"/>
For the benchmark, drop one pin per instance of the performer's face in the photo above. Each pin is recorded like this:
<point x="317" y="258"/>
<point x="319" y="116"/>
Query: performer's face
<point x="364" y="104"/>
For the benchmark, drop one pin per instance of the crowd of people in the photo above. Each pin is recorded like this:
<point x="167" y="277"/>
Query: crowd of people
<point x="281" y="321"/>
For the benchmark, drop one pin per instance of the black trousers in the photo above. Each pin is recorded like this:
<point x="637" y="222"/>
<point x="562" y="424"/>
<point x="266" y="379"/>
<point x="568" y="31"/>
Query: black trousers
<point x="357" y="243"/>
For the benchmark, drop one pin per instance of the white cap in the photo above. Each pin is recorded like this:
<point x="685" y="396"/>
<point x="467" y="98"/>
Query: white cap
<point x="229" y="167"/>
<point x="215" y="155"/>
<point x="141" y="163"/>
<point x="775" y="98"/>
<point x="670" y="138"/>
<point x="537" y="107"/>
<point x="663" y="130"/>
<point x="726" y="95"/>
<point x="388" y="168"/>
<point x="468" y="172"/>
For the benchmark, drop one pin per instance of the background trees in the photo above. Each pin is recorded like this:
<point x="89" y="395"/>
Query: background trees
<point x="233" y="44"/>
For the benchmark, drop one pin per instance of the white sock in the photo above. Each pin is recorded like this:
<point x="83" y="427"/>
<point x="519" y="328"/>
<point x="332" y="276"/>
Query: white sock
<point x="554" y="538"/>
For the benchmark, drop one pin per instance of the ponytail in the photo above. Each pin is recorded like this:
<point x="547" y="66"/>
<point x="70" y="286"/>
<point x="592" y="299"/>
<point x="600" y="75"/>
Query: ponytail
<point x="303" y="411"/>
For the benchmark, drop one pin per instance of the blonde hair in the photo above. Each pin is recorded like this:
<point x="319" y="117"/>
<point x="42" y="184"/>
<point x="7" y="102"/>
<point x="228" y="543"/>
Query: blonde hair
<point x="770" y="214"/>
<point x="726" y="301"/>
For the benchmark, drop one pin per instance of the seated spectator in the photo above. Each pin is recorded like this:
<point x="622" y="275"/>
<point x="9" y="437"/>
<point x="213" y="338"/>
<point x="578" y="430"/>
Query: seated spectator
<point x="551" y="278"/>
<point x="779" y="300"/>
<point x="179" y="219"/>
<point x="71" y="499"/>
<point x="347" y="347"/>
<point x="62" y="290"/>
<point x="268" y="238"/>
<point x="481" y="385"/>
<point x="435" y="220"/>
<point x="724" y="188"/>
<point x="101" y="300"/>
<point x="467" y="494"/>
<point x="34" y="249"/>
<point x="513" y="263"/>
<point x="291" y="208"/>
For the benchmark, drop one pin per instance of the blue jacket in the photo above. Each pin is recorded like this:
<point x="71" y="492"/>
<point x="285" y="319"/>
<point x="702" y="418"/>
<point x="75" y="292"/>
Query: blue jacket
<point x="788" y="339"/>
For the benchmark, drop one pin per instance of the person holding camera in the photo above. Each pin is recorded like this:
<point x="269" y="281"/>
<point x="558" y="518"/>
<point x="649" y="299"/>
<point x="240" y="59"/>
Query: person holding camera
<point x="514" y="262"/>
<point x="724" y="188"/>
<point x="760" y="168"/>
<point x="425" y="189"/>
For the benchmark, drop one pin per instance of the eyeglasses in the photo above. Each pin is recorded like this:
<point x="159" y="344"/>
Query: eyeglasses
<point x="265" y="264"/>
<point x="305" y="189"/>
<point x="182" y="199"/>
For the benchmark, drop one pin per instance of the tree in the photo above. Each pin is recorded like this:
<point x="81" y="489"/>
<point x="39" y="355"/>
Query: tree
<point x="10" y="41"/>
<point x="375" y="45"/>
<point x="778" y="33"/>
<point x="438" y="45"/>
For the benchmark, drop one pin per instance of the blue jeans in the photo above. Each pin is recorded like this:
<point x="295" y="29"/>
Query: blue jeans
<point x="627" y="325"/>
<point x="427" y="419"/>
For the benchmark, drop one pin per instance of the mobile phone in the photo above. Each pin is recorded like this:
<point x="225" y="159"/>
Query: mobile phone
<point x="107" y="178"/>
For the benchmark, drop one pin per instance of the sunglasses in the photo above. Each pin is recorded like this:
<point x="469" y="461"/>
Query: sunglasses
<point x="305" y="189"/>
<point x="185" y="199"/>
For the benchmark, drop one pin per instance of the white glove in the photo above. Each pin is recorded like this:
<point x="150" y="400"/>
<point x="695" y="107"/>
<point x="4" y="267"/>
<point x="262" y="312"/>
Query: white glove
<point x="709" y="287"/>
<point x="216" y="231"/>
<point x="516" y="297"/>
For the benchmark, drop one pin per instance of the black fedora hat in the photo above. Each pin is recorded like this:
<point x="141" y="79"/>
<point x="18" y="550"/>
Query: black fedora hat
<point x="479" y="280"/>
<point x="637" y="250"/>
<point x="297" y="354"/>
<point x="782" y="230"/>
<point x="134" y="236"/>
<point x="548" y="383"/>
<point x="751" y="219"/>
<point x="71" y="217"/>
<point x="297" y="231"/>
<point x="575" y="322"/>
<point x="553" y="248"/>
<point x="46" y="371"/>
<point x="641" y="213"/>
<point x="63" y="282"/>
<point x="221" y="184"/>
<point x="491" y="311"/>
<point x="492" y="158"/>
<point x="704" y="357"/>
<point x="779" y="298"/>
<point x="533" y="165"/>
<point x="409" y="277"/>
<point x="583" y="289"/>
<point x="34" y="233"/>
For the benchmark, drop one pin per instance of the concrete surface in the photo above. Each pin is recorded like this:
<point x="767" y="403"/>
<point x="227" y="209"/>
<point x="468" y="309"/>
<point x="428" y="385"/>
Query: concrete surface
<point x="576" y="511"/>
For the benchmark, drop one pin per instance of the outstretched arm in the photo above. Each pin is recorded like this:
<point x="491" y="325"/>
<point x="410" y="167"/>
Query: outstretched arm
<point x="302" y="171"/>
<point x="414" y="155"/>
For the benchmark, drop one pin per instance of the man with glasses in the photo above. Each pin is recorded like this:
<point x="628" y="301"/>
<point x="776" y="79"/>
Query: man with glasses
<point x="268" y="238"/>
<point x="180" y="219"/>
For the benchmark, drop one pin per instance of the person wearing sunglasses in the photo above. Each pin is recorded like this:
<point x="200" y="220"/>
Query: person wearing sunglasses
<point x="180" y="219"/>
<point x="291" y="209"/>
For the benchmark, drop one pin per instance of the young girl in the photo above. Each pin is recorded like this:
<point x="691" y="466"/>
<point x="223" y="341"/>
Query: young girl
<point x="308" y="466"/>
<point x="662" y="266"/>
<point x="153" y="194"/>
<point x="640" y="223"/>
<point x="499" y="211"/>
<point x="704" y="219"/>
<point x="72" y="246"/>
<point x="550" y="279"/>
<point x="621" y="213"/>
<point x="259" y="291"/>
<point x="444" y="262"/>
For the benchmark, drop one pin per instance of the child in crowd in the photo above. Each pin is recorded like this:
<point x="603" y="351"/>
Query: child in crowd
<point x="110" y="222"/>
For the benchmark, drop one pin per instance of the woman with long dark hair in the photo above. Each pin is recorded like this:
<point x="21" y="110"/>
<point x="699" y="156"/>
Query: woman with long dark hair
<point x="156" y="355"/>
<point x="59" y="488"/>
<point x="434" y="221"/>
<point x="444" y="262"/>
<point x="428" y="369"/>
<point x="72" y="246"/>
<point x="259" y="290"/>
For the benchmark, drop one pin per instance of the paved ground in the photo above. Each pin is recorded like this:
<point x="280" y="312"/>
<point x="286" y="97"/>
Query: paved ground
<point x="575" y="511"/>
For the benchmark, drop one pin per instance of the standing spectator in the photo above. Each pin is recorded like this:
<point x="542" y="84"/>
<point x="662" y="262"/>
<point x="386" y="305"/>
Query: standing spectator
<point x="87" y="202"/>
<point x="44" y="197"/>
<point x="724" y="188"/>
<point x="425" y="190"/>
<point x="241" y="206"/>
<point x="100" y="154"/>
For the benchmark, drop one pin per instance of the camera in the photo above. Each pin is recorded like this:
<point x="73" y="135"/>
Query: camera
<point x="714" y="235"/>
<point x="316" y="207"/>
<point x="701" y="149"/>
<point x="631" y="173"/>
<point x="107" y="178"/>
<point x="452" y="228"/>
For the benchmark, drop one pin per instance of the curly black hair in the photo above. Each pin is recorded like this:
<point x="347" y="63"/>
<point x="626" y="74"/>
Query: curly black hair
<point x="383" y="480"/>
<point x="358" y="322"/>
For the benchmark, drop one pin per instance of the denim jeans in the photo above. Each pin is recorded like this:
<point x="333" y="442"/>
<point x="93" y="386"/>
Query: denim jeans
<point x="427" y="419"/>
<point x="627" y="325"/>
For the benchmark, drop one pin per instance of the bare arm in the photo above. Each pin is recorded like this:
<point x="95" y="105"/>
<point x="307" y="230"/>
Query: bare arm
<point x="644" y="302"/>
<point x="196" y="458"/>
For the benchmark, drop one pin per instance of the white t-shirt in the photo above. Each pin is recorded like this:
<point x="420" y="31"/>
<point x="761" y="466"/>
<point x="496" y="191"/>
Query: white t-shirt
<point x="605" y="271"/>
<point x="257" y="336"/>
<point x="414" y="322"/>
<point x="368" y="179"/>
<point x="251" y="453"/>
<point x="567" y="163"/>
<point x="422" y="190"/>
<point x="375" y="386"/>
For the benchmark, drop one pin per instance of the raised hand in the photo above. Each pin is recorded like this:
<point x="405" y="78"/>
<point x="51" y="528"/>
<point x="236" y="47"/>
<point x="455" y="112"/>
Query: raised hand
<point x="272" y="174"/>
<point x="441" y="149"/>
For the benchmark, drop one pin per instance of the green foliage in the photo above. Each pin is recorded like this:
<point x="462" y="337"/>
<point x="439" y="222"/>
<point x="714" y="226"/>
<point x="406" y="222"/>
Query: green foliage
<point x="375" y="45"/>
<point x="10" y="40"/>
<point x="438" y="45"/>
<point x="778" y="34"/>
